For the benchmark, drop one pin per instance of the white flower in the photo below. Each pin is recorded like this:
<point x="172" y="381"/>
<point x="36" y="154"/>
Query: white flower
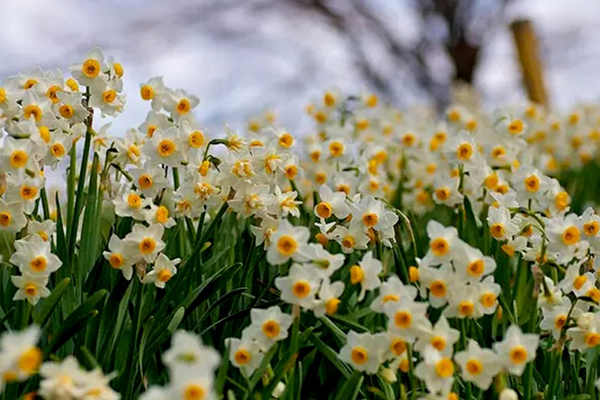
<point x="60" y="379"/>
<point x="471" y="265"/>
<point x="288" y="242"/>
<point x="435" y="369"/>
<point x="34" y="257"/>
<point x="119" y="256"/>
<point x="323" y="263"/>
<point x="501" y="225"/>
<point x="393" y="290"/>
<point x="30" y="287"/>
<point x="443" y="242"/>
<point x="555" y="318"/>
<point x="188" y="353"/>
<point x="586" y="335"/>
<point x="165" y="147"/>
<point x="441" y="337"/>
<point x="328" y="301"/>
<point x="145" y="242"/>
<point x="131" y="205"/>
<point x="162" y="271"/>
<point x="517" y="349"/>
<point x="20" y="357"/>
<point x="364" y="351"/>
<point x="244" y="353"/>
<point x="406" y="317"/>
<point x="149" y="179"/>
<point x="577" y="283"/>
<point x="87" y="72"/>
<point x="366" y="273"/>
<point x="351" y="238"/>
<point x="299" y="287"/>
<point x="268" y="326"/>
<point x="478" y="365"/>
<point x="332" y="203"/>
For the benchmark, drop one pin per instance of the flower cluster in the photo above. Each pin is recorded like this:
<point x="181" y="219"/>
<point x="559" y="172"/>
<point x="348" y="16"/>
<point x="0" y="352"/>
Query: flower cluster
<point x="435" y="254"/>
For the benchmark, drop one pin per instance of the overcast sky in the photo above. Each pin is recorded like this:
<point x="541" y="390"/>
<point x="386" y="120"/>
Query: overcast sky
<point x="236" y="78"/>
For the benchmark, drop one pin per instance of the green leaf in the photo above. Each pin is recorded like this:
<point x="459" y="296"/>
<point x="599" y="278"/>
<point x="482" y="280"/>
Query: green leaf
<point x="49" y="304"/>
<point x="77" y="320"/>
<point x="68" y="332"/>
<point x="330" y="354"/>
<point x="351" y="388"/>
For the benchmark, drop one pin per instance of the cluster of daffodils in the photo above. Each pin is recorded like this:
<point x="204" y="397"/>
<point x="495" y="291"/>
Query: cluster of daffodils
<point x="21" y="358"/>
<point x="344" y="220"/>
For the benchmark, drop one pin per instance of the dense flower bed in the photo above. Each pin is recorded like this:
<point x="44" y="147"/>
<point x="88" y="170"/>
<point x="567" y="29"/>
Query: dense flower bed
<point x="388" y="255"/>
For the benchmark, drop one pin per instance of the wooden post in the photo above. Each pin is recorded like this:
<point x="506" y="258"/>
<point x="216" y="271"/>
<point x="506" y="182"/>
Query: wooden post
<point x="526" y="42"/>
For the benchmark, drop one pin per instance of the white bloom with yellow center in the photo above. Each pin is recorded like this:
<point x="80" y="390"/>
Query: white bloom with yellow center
<point x="132" y="204"/>
<point x="366" y="274"/>
<point x="162" y="271"/>
<point x="435" y="369"/>
<point x="91" y="68"/>
<point x="555" y="318"/>
<point x="407" y="318"/>
<point x="529" y="183"/>
<point x="187" y="353"/>
<point x="471" y="265"/>
<point x="577" y="282"/>
<point x="244" y="354"/>
<point x="464" y="301"/>
<point x="285" y="203"/>
<point x="393" y="290"/>
<point x="16" y="154"/>
<point x="12" y="218"/>
<point x="30" y="287"/>
<point x="159" y="215"/>
<point x="252" y="199"/>
<point x="25" y="189"/>
<point x="300" y="286"/>
<point x="119" y="256"/>
<point x="189" y="385"/>
<point x="517" y="349"/>
<point x="288" y="242"/>
<point x="154" y="91"/>
<point x="165" y="147"/>
<point x="439" y="282"/>
<point x="331" y="203"/>
<point x="180" y="104"/>
<point x="60" y="379"/>
<point x="586" y="335"/>
<point x="70" y="107"/>
<point x="149" y="179"/>
<point x="328" y="301"/>
<point x="44" y="229"/>
<point x="20" y="357"/>
<point x="34" y="256"/>
<point x="365" y="351"/>
<point x="322" y="262"/>
<point x="564" y="236"/>
<point x="489" y="291"/>
<point x="441" y="337"/>
<point x="352" y="237"/>
<point x="443" y="243"/>
<point x="268" y="326"/>
<point x="145" y="242"/>
<point x="373" y="214"/>
<point x="500" y="223"/>
<point x="478" y="365"/>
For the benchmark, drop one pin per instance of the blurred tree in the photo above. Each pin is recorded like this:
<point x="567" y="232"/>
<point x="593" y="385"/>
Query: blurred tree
<point x="444" y="49"/>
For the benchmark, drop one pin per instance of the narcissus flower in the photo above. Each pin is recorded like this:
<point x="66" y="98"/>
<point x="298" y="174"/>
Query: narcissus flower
<point x="288" y="242"/>
<point x="299" y="287"/>
<point x="162" y="271"/>
<point x="364" y="351"/>
<point x="268" y="326"/>
<point x="478" y="365"/>
<point x="517" y="349"/>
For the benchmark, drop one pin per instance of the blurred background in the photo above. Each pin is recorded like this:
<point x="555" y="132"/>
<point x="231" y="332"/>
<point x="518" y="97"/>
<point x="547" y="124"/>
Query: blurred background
<point x="244" y="56"/>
